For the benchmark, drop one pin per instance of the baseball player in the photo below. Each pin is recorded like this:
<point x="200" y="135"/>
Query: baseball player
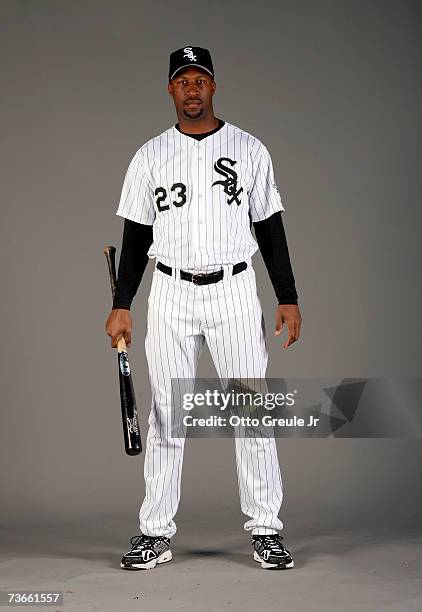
<point x="189" y="199"/>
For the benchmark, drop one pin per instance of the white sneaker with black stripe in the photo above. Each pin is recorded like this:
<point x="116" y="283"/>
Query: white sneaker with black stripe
<point x="270" y="552"/>
<point x="146" y="552"/>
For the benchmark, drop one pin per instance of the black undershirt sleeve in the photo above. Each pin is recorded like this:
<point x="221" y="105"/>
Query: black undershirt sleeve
<point x="137" y="238"/>
<point x="271" y="239"/>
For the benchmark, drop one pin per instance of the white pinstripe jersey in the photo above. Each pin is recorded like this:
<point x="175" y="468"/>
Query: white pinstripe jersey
<point x="200" y="196"/>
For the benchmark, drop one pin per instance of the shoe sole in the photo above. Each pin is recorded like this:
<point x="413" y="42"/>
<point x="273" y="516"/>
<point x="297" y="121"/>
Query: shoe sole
<point x="163" y="558"/>
<point x="266" y="565"/>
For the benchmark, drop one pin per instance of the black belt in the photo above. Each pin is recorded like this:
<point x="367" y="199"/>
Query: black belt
<point x="202" y="278"/>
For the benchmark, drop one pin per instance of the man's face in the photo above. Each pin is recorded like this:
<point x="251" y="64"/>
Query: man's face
<point x="192" y="90"/>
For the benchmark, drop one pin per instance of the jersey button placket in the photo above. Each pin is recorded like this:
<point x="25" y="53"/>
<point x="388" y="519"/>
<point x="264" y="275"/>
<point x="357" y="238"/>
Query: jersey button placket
<point x="194" y="203"/>
<point x="201" y="198"/>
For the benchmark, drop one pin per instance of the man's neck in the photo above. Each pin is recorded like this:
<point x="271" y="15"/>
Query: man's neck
<point x="198" y="127"/>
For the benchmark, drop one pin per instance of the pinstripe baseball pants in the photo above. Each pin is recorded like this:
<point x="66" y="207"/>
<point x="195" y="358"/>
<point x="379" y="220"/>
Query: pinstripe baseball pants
<point x="181" y="316"/>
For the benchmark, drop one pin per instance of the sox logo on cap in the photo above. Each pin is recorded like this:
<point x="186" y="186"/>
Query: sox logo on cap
<point x="189" y="54"/>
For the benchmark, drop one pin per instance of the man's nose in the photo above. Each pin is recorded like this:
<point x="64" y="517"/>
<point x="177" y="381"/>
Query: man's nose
<point x="192" y="90"/>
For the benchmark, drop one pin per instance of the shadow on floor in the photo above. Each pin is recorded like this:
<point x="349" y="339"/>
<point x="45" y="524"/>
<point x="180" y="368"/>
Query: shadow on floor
<point x="105" y="540"/>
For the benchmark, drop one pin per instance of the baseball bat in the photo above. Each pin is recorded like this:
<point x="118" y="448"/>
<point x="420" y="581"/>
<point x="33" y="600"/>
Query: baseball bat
<point x="130" y="421"/>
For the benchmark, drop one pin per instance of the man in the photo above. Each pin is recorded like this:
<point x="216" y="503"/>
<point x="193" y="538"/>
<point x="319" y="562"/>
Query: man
<point x="189" y="199"/>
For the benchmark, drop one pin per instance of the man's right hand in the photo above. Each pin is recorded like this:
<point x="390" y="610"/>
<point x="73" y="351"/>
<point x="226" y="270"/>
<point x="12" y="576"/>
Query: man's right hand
<point x="118" y="324"/>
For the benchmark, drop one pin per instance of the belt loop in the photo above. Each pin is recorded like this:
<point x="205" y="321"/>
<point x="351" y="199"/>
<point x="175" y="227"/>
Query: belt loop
<point x="227" y="270"/>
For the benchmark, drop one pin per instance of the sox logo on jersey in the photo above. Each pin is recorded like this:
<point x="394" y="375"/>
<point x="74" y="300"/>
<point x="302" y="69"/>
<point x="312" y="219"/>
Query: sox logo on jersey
<point x="174" y="183"/>
<point x="230" y="183"/>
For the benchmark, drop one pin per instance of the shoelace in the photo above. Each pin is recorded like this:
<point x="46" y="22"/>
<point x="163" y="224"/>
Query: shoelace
<point x="138" y="541"/>
<point x="275" y="541"/>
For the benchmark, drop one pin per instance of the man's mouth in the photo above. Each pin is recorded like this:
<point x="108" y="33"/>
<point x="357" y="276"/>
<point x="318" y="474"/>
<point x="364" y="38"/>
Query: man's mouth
<point x="193" y="102"/>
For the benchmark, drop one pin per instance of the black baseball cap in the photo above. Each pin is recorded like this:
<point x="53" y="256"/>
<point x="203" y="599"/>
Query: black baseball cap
<point x="190" y="56"/>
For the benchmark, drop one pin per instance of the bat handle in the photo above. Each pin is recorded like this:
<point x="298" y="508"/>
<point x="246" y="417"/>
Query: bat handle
<point x="121" y="345"/>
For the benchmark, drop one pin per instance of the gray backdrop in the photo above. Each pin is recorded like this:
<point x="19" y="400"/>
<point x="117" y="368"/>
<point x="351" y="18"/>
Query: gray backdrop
<point x="333" y="90"/>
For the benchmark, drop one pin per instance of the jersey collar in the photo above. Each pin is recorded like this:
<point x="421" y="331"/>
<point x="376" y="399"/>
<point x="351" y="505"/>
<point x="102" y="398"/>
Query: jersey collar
<point x="220" y="125"/>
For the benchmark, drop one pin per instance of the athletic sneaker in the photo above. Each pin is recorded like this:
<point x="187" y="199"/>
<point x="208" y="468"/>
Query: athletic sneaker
<point x="146" y="552"/>
<point x="270" y="552"/>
